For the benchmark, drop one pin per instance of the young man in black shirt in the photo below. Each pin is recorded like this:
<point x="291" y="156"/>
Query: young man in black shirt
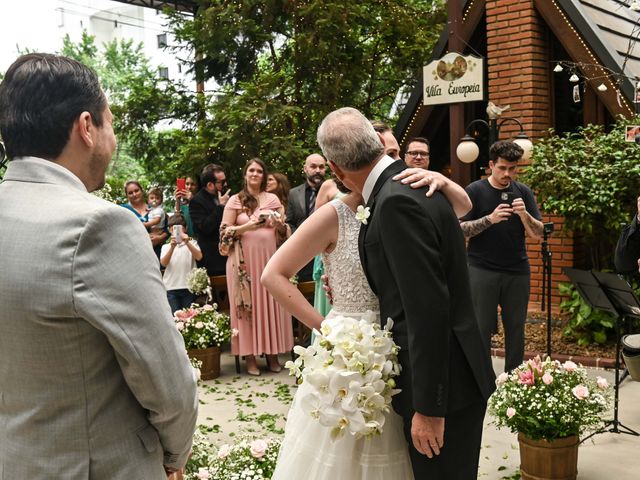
<point x="503" y="210"/>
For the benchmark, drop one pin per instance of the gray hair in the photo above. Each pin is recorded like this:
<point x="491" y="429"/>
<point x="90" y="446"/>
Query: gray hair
<point x="348" y="139"/>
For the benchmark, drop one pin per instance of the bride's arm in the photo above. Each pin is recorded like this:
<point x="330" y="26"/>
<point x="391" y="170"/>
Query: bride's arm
<point x="456" y="195"/>
<point x="316" y="235"/>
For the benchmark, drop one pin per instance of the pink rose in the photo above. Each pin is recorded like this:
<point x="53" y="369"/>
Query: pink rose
<point x="203" y="474"/>
<point x="235" y="332"/>
<point x="207" y="307"/>
<point x="526" y="378"/>
<point x="569" y="366"/>
<point x="180" y="326"/>
<point x="258" y="448"/>
<point x="199" y="325"/>
<point x="511" y="412"/>
<point x="547" y="378"/>
<point x="602" y="383"/>
<point x="502" y="378"/>
<point x="580" y="392"/>
<point x="181" y="315"/>
<point x="224" y="451"/>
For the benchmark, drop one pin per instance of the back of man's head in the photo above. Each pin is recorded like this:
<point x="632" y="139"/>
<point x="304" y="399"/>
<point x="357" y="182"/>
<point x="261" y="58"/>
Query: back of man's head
<point x="41" y="97"/>
<point x="348" y="139"/>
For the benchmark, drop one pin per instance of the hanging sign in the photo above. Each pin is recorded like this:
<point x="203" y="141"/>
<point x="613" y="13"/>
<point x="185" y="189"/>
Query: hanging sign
<point x="452" y="79"/>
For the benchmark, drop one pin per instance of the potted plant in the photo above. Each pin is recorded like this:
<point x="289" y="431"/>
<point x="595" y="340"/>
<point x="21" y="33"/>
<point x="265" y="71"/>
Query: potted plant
<point x="248" y="458"/>
<point x="204" y="330"/>
<point x="550" y="405"/>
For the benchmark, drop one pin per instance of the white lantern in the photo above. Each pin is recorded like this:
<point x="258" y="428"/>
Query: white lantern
<point x="467" y="150"/>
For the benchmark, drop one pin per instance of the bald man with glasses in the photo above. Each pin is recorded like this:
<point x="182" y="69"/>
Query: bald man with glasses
<point x="417" y="153"/>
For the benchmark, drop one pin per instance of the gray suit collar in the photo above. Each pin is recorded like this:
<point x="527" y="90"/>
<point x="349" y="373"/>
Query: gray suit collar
<point x="39" y="170"/>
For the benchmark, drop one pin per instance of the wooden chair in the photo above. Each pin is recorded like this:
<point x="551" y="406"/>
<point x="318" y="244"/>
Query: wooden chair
<point x="219" y="292"/>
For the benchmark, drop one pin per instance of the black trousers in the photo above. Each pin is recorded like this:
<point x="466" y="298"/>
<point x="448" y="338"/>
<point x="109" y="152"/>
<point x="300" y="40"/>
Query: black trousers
<point x="460" y="455"/>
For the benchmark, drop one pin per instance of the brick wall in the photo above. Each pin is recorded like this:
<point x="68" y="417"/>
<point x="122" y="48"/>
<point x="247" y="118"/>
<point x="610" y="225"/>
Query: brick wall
<point x="519" y="75"/>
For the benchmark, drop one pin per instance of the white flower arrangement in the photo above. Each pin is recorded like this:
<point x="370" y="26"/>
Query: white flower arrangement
<point x="549" y="400"/>
<point x="362" y="214"/>
<point x="349" y="371"/>
<point x="198" y="281"/>
<point x="248" y="459"/>
<point x="203" y="327"/>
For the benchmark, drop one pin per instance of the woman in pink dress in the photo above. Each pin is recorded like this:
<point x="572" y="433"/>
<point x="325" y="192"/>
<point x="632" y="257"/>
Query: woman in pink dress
<point x="248" y="238"/>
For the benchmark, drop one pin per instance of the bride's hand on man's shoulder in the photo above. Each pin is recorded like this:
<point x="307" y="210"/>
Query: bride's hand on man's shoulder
<point x="419" y="177"/>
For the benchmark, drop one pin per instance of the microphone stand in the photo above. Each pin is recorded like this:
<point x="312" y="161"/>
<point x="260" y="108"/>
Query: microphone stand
<point x="546" y="280"/>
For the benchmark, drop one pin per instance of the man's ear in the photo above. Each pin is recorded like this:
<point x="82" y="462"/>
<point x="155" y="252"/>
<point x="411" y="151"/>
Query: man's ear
<point x="381" y="138"/>
<point x="337" y="171"/>
<point x="86" y="129"/>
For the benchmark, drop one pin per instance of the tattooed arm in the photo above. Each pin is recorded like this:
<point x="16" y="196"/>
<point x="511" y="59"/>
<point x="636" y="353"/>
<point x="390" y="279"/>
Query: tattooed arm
<point x="533" y="227"/>
<point x="471" y="228"/>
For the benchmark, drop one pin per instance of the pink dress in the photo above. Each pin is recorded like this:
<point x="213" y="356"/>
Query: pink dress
<point x="268" y="329"/>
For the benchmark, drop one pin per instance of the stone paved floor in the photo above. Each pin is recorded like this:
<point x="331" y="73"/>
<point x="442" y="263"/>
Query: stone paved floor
<point x="235" y="404"/>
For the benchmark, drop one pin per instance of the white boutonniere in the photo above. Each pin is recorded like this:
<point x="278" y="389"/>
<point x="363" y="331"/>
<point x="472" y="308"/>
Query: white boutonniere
<point x="362" y="214"/>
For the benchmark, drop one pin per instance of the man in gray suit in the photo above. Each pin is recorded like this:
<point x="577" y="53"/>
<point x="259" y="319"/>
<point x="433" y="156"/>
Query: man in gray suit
<point x="94" y="379"/>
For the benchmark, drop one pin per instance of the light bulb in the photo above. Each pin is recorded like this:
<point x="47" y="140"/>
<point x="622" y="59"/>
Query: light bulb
<point x="558" y="68"/>
<point x="574" y="78"/>
<point x="602" y="87"/>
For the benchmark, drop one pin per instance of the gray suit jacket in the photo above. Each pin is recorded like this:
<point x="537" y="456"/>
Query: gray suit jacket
<point x="94" y="378"/>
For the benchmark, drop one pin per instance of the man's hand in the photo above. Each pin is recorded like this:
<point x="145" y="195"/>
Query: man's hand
<point x="327" y="288"/>
<point x="427" y="434"/>
<point x="501" y="213"/>
<point x="419" y="177"/>
<point x="223" y="199"/>
<point x="519" y="208"/>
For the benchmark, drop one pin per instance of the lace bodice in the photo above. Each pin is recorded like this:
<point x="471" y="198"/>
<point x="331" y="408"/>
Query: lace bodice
<point x="351" y="291"/>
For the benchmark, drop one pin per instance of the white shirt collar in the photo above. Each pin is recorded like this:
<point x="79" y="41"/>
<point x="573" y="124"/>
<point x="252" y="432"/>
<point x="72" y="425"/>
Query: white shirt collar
<point x="374" y="174"/>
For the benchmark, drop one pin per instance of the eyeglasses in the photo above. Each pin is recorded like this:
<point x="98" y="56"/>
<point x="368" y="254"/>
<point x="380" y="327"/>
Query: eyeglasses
<point x="416" y="153"/>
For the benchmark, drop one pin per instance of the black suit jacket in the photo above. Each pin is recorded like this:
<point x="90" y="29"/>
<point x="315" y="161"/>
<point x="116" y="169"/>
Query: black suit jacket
<point x="296" y="208"/>
<point x="413" y="254"/>
<point x="206" y="215"/>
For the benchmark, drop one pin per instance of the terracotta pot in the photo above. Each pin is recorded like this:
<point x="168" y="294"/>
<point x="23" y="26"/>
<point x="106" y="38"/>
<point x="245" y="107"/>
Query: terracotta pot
<point x="210" y="358"/>
<point x="548" y="460"/>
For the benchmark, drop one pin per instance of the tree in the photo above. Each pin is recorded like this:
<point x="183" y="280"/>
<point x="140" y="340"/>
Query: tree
<point x="592" y="179"/>
<point x="281" y="66"/>
<point x="140" y="101"/>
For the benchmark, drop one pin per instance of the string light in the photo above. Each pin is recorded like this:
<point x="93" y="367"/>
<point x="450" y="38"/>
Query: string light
<point x="558" y="68"/>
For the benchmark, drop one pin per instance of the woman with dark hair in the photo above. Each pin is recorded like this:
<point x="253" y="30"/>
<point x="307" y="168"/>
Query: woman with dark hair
<point x="278" y="184"/>
<point x="248" y="238"/>
<point x="138" y="205"/>
<point x="183" y="197"/>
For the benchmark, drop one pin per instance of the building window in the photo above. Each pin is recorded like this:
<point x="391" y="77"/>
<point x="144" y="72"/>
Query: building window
<point x="162" y="40"/>
<point x="163" y="72"/>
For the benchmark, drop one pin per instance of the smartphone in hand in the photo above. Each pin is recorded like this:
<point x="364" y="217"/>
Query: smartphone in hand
<point x="181" y="184"/>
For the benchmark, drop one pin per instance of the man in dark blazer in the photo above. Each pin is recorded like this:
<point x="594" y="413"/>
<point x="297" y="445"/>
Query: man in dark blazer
<point x="206" y="209"/>
<point x="413" y="253"/>
<point x="302" y="200"/>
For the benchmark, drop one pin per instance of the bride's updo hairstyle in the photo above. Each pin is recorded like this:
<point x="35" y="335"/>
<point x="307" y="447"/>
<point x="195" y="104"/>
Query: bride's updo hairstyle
<point x="348" y="139"/>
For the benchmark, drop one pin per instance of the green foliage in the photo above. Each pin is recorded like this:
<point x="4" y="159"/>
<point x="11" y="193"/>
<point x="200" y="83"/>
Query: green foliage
<point x="586" y="325"/>
<point x="592" y="179"/>
<point x="282" y="66"/>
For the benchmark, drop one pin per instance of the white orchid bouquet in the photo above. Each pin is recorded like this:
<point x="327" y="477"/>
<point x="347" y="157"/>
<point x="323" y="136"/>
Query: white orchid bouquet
<point x="198" y="281"/>
<point x="247" y="459"/>
<point x="546" y="400"/>
<point x="349" y="373"/>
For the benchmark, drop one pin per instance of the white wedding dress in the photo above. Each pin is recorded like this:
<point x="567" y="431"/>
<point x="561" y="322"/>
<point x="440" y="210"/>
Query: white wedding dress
<point x="308" y="451"/>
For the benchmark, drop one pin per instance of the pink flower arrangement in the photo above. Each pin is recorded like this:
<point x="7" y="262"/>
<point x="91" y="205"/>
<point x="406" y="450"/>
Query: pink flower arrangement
<point x="203" y="327"/>
<point x="549" y="400"/>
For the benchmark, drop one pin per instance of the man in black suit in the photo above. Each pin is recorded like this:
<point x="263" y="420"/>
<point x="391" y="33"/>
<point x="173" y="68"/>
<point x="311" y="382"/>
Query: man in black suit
<point x="413" y="253"/>
<point x="206" y="208"/>
<point x="302" y="200"/>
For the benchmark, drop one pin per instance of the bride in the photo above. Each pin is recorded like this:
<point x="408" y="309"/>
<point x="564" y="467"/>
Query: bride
<point x="308" y="451"/>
